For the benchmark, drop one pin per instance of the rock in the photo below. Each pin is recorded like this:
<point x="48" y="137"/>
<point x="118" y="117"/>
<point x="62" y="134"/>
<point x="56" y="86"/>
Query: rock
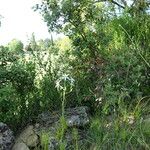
<point x="6" y="137"/>
<point x="20" y="146"/>
<point x="48" y="128"/>
<point x="28" y="136"/>
<point x="47" y="119"/>
<point x="49" y="124"/>
<point x="75" y="117"/>
<point x="32" y="141"/>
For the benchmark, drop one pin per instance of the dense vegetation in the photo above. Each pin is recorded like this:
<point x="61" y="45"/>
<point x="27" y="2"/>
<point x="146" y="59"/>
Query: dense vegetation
<point x="102" y="62"/>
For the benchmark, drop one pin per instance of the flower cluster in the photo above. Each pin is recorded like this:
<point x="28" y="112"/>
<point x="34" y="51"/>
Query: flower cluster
<point x="64" y="81"/>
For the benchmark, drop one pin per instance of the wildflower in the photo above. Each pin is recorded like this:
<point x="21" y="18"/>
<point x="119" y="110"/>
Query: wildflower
<point x="64" y="79"/>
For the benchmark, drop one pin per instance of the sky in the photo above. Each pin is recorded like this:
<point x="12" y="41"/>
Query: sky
<point x="20" y="21"/>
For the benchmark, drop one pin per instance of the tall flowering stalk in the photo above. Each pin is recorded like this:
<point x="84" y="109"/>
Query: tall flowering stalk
<point x="64" y="84"/>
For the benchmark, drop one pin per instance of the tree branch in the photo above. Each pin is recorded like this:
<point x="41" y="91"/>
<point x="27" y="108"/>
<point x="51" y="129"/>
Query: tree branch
<point x="111" y="1"/>
<point x="114" y="2"/>
<point x="133" y="3"/>
<point x="124" y="2"/>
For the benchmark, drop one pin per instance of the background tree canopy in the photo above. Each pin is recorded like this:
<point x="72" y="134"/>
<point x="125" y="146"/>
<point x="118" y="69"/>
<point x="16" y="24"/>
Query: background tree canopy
<point x="101" y="31"/>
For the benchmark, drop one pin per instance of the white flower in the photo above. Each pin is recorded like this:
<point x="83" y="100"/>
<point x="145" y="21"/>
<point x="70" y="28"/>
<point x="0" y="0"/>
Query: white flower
<point x="64" y="78"/>
<point x="58" y="86"/>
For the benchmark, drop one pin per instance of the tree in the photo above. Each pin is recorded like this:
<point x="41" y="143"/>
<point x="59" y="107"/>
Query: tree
<point x="81" y="21"/>
<point x="15" y="46"/>
<point x="109" y="38"/>
<point x="85" y="22"/>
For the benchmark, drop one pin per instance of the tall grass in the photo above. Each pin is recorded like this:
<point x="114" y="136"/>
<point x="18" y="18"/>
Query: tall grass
<point x="120" y="131"/>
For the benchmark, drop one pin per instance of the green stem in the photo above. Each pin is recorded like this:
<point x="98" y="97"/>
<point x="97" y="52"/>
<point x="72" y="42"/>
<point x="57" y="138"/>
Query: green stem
<point x="63" y="100"/>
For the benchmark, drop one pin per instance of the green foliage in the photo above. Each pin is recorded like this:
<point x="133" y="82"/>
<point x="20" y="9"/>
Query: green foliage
<point x="49" y="96"/>
<point x="15" y="46"/>
<point x="106" y="54"/>
<point x="44" y="141"/>
<point x="118" y="132"/>
<point x="75" y="137"/>
<point x="17" y="82"/>
<point x="110" y="52"/>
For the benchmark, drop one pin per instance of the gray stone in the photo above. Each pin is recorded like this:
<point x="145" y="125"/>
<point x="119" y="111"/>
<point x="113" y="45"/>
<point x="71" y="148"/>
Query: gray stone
<point x="49" y="123"/>
<point x="47" y="130"/>
<point x="75" y="117"/>
<point x="6" y="137"/>
<point x="32" y="140"/>
<point x="28" y="136"/>
<point x="20" y="146"/>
